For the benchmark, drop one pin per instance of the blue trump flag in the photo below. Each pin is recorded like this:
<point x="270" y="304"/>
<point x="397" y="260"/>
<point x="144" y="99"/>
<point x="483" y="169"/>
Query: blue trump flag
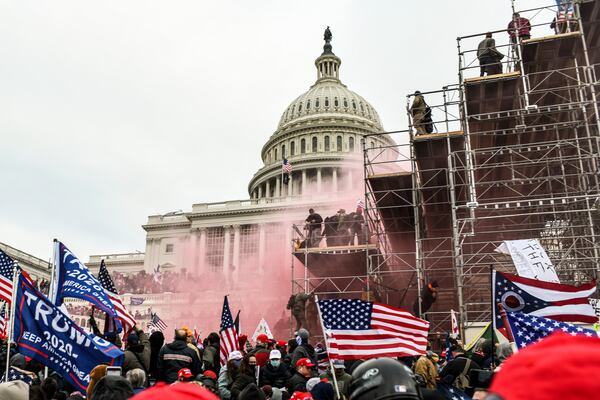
<point x="44" y="333"/>
<point x="73" y="279"/>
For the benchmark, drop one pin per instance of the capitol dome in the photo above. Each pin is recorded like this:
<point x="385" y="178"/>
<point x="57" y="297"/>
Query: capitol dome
<point x="320" y="134"/>
<point x="329" y="97"/>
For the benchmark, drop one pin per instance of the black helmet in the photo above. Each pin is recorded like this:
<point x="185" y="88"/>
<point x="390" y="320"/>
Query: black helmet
<point x="383" y="378"/>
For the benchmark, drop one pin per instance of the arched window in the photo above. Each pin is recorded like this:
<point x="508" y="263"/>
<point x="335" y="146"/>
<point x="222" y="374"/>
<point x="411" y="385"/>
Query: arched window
<point x="351" y="144"/>
<point x="317" y="102"/>
<point x="336" y="102"/>
<point x="283" y="151"/>
<point x="339" y="143"/>
<point x="292" y="148"/>
<point x="326" y="101"/>
<point x="275" y="154"/>
<point x="302" y="146"/>
<point x="372" y="144"/>
<point x="299" y="108"/>
<point x="307" y="104"/>
<point x="314" y="144"/>
<point x="326" y="143"/>
<point x="345" y="103"/>
<point x="354" y="105"/>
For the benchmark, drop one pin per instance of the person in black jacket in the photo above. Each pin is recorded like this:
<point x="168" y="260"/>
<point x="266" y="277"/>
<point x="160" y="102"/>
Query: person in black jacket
<point x="211" y="356"/>
<point x="303" y="373"/>
<point x="313" y="225"/>
<point x="177" y="355"/>
<point x="275" y="373"/>
<point x="245" y="377"/>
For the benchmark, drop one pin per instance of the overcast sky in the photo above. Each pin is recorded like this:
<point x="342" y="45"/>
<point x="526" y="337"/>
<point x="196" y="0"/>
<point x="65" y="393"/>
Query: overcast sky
<point x="113" y="111"/>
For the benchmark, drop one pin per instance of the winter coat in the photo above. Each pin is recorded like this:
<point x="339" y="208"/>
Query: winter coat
<point x="424" y="367"/>
<point x="297" y="383"/>
<point x="224" y="384"/>
<point x="275" y="377"/>
<point x="211" y="359"/>
<point x="240" y="384"/>
<point x="304" y="350"/>
<point x="173" y="357"/>
<point x="142" y="360"/>
<point x="343" y="383"/>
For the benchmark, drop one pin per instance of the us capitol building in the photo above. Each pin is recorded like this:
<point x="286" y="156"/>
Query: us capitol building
<point x="230" y="246"/>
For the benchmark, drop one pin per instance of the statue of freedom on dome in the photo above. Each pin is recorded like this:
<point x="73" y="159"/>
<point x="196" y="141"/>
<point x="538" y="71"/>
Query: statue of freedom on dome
<point x="327" y="35"/>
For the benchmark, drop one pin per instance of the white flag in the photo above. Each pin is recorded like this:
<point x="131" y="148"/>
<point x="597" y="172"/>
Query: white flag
<point x="455" y="331"/>
<point x="530" y="259"/>
<point x="262" y="327"/>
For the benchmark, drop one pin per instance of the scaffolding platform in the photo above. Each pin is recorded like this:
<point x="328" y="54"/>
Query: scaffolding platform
<point x="336" y="261"/>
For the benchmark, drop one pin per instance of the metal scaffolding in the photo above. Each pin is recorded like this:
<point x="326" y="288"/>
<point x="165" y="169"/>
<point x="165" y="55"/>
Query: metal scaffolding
<point x="515" y="155"/>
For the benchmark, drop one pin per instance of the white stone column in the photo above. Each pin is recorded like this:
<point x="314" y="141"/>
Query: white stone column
<point x="303" y="182"/>
<point x="319" y="180"/>
<point x="268" y="189"/>
<point x="261" y="247"/>
<point x="334" y="180"/>
<point x="148" y="261"/>
<point x="226" y="247"/>
<point x="156" y="243"/>
<point x="200" y="261"/>
<point x="278" y="186"/>
<point x="236" y="251"/>
<point x="290" y="186"/>
<point x="259" y="191"/>
<point x="350" y="183"/>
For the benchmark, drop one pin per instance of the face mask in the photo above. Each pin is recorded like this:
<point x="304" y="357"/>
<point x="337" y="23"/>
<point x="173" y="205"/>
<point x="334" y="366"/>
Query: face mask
<point x="237" y="362"/>
<point x="275" y="363"/>
<point x="298" y="340"/>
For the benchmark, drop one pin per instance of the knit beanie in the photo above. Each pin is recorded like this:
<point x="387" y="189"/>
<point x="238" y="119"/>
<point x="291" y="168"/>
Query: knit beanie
<point x="14" y="390"/>
<point x="97" y="373"/>
<point x="303" y="333"/>
<point x="560" y="366"/>
<point x="322" y="391"/>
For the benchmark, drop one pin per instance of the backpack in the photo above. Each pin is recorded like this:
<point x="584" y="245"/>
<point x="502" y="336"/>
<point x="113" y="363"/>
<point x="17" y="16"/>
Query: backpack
<point x="462" y="381"/>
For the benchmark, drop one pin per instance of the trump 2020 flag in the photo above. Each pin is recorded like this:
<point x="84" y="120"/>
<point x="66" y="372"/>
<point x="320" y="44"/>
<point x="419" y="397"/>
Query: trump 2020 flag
<point x="73" y="279"/>
<point x="44" y="333"/>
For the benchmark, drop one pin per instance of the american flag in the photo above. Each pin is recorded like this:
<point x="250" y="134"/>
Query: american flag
<point x="451" y="393"/>
<point x="228" y="335"/>
<point x="322" y="359"/>
<point x="6" y="277"/>
<point x="3" y="322"/>
<point x="359" y="329"/>
<point x="360" y="205"/>
<point x="109" y="287"/>
<point x="287" y="167"/>
<point x="528" y="329"/>
<point x="15" y="375"/>
<point x="542" y="299"/>
<point x="157" y="322"/>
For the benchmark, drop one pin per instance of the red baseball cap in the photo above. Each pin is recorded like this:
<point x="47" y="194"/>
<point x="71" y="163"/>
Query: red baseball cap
<point x="210" y="374"/>
<point x="184" y="373"/>
<point x="263" y="338"/>
<point x="181" y="391"/>
<point x="304" y="362"/>
<point x="281" y="343"/>
<point x="560" y="366"/>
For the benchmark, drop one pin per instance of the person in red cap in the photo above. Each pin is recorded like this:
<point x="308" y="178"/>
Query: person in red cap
<point x="185" y="375"/>
<point x="560" y="366"/>
<point x="303" y="373"/>
<point x="182" y="391"/>
<point x="261" y="350"/>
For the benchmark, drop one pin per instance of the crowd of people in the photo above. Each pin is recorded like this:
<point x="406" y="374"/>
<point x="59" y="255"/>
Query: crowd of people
<point x="340" y="229"/>
<point x="295" y="370"/>
<point x="145" y="283"/>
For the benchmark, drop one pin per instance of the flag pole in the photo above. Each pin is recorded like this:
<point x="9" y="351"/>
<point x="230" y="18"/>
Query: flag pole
<point x="492" y="291"/>
<point x="337" y="389"/>
<point x="9" y="328"/>
<point x="52" y="287"/>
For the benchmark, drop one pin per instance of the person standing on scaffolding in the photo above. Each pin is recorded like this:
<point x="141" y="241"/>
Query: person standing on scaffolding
<point x="421" y="115"/>
<point x="313" y="225"/>
<point x="521" y="26"/>
<point x="489" y="58"/>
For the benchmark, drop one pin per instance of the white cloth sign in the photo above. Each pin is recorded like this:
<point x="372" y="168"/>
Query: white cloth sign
<point x="455" y="331"/>
<point x="262" y="327"/>
<point x="596" y="305"/>
<point x="530" y="259"/>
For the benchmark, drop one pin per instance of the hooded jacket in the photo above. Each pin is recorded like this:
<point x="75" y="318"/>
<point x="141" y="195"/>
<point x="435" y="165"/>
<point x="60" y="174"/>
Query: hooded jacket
<point x="141" y="358"/>
<point x="275" y="377"/>
<point x="173" y="357"/>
